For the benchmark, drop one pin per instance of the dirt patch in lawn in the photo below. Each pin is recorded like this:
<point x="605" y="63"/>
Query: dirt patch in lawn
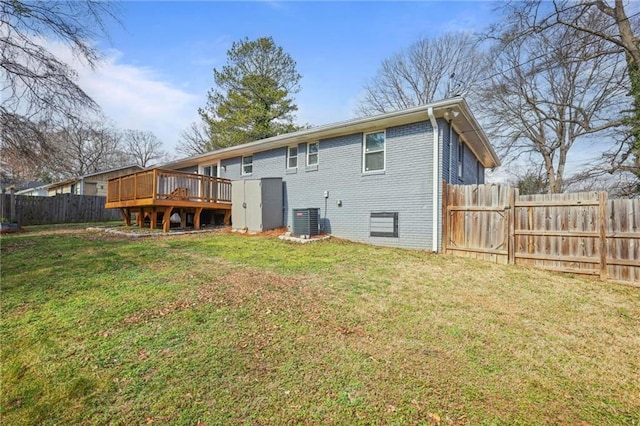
<point x="273" y="293"/>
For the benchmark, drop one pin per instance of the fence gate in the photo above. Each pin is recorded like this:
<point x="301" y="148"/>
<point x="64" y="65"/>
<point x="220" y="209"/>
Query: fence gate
<point x="581" y="233"/>
<point x="562" y="232"/>
<point x="477" y="220"/>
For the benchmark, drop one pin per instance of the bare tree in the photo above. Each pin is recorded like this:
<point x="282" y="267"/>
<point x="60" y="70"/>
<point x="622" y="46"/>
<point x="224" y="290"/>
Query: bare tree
<point x="429" y="69"/>
<point x="84" y="147"/>
<point x="540" y="106"/>
<point x="20" y="137"/>
<point x="17" y="168"/>
<point x="142" y="147"/>
<point x="527" y="17"/>
<point x="35" y="85"/>
<point x="618" y="32"/>
<point x="195" y="140"/>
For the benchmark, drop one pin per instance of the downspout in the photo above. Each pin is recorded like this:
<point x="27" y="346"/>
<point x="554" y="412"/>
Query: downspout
<point x="436" y="186"/>
<point x="450" y="146"/>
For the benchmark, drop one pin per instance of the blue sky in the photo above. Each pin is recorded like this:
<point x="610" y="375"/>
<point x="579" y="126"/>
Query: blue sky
<point x="159" y="62"/>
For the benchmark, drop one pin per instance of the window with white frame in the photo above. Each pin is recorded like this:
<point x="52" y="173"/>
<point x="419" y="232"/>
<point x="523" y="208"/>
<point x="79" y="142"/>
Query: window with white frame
<point x="373" y="151"/>
<point x="460" y="159"/>
<point x="247" y="165"/>
<point x="312" y="153"/>
<point x="292" y="157"/>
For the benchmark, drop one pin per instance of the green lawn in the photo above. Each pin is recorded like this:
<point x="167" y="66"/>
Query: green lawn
<point x="232" y="329"/>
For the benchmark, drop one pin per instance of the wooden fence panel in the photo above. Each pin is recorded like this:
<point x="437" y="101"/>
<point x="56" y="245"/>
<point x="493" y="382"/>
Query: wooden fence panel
<point x="558" y="232"/>
<point x="582" y="233"/>
<point x="623" y="240"/>
<point x="62" y="208"/>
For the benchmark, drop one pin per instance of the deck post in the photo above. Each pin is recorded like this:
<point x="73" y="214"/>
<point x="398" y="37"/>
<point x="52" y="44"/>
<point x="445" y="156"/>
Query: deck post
<point x="154" y="218"/>
<point x="183" y="218"/>
<point x="196" y="218"/>
<point x="140" y="219"/>
<point x="166" y="219"/>
<point x="126" y="215"/>
<point x="154" y="194"/>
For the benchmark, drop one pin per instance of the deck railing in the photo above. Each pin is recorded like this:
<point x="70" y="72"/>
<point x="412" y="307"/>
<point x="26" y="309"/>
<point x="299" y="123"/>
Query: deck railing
<point x="158" y="184"/>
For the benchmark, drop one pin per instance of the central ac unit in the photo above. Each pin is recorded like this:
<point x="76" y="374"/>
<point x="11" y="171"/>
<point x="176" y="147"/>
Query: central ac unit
<point x="306" y="222"/>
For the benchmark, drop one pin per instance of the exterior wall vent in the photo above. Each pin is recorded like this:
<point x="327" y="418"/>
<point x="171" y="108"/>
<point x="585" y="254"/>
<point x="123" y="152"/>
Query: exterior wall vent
<point x="306" y="222"/>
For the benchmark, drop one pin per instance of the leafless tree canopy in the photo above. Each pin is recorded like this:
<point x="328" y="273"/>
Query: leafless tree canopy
<point x="35" y="85"/>
<point x="143" y="147"/>
<point x="84" y="147"/>
<point x="618" y="32"/>
<point x="554" y="89"/>
<point x="24" y="162"/>
<point x="195" y="140"/>
<point x="428" y="70"/>
<point x="533" y="16"/>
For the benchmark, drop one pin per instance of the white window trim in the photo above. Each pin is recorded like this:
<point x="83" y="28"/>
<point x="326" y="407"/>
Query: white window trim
<point x="364" y="152"/>
<point x="317" y="154"/>
<point x="289" y="157"/>
<point x="242" y="172"/>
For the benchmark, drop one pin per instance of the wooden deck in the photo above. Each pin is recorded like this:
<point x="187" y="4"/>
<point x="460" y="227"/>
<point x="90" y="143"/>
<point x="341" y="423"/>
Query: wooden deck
<point x="160" y="193"/>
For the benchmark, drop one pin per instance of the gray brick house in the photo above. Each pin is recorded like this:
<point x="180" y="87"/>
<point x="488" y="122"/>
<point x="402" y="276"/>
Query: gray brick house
<point x="385" y="169"/>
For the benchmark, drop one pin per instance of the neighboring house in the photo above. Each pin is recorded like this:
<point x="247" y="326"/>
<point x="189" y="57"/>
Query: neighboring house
<point x="376" y="179"/>
<point x="91" y="184"/>
<point x="35" y="189"/>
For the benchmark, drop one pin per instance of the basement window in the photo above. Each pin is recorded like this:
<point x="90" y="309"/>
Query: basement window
<point x="384" y="224"/>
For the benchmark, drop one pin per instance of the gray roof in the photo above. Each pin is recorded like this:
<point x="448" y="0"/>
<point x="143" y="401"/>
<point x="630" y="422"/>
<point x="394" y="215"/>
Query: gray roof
<point x="454" y="109"/>
<point x="75" y="179"/>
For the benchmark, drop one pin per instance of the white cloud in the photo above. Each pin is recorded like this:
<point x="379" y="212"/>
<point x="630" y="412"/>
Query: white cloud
<point x="135" y="97"/>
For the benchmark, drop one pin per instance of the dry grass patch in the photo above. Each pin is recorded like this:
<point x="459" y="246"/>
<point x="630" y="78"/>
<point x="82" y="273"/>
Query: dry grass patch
<point x="230" y="329"/>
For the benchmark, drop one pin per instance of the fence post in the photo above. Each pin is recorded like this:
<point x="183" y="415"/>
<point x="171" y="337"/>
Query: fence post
<point x="603" y="198"/>
<point x="12" y="207"/>
<point x="511" y="247"/>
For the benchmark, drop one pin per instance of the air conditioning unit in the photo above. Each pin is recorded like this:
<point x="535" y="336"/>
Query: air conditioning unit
<point x="306" y="222"/>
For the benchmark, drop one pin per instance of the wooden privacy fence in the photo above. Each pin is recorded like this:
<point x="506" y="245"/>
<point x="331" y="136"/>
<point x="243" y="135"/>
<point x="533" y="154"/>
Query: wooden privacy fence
<point x="581" y="233"/>
<point x="62" y="208"/>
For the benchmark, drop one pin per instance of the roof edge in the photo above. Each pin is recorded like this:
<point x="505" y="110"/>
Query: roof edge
<point x="339" y="128"/>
